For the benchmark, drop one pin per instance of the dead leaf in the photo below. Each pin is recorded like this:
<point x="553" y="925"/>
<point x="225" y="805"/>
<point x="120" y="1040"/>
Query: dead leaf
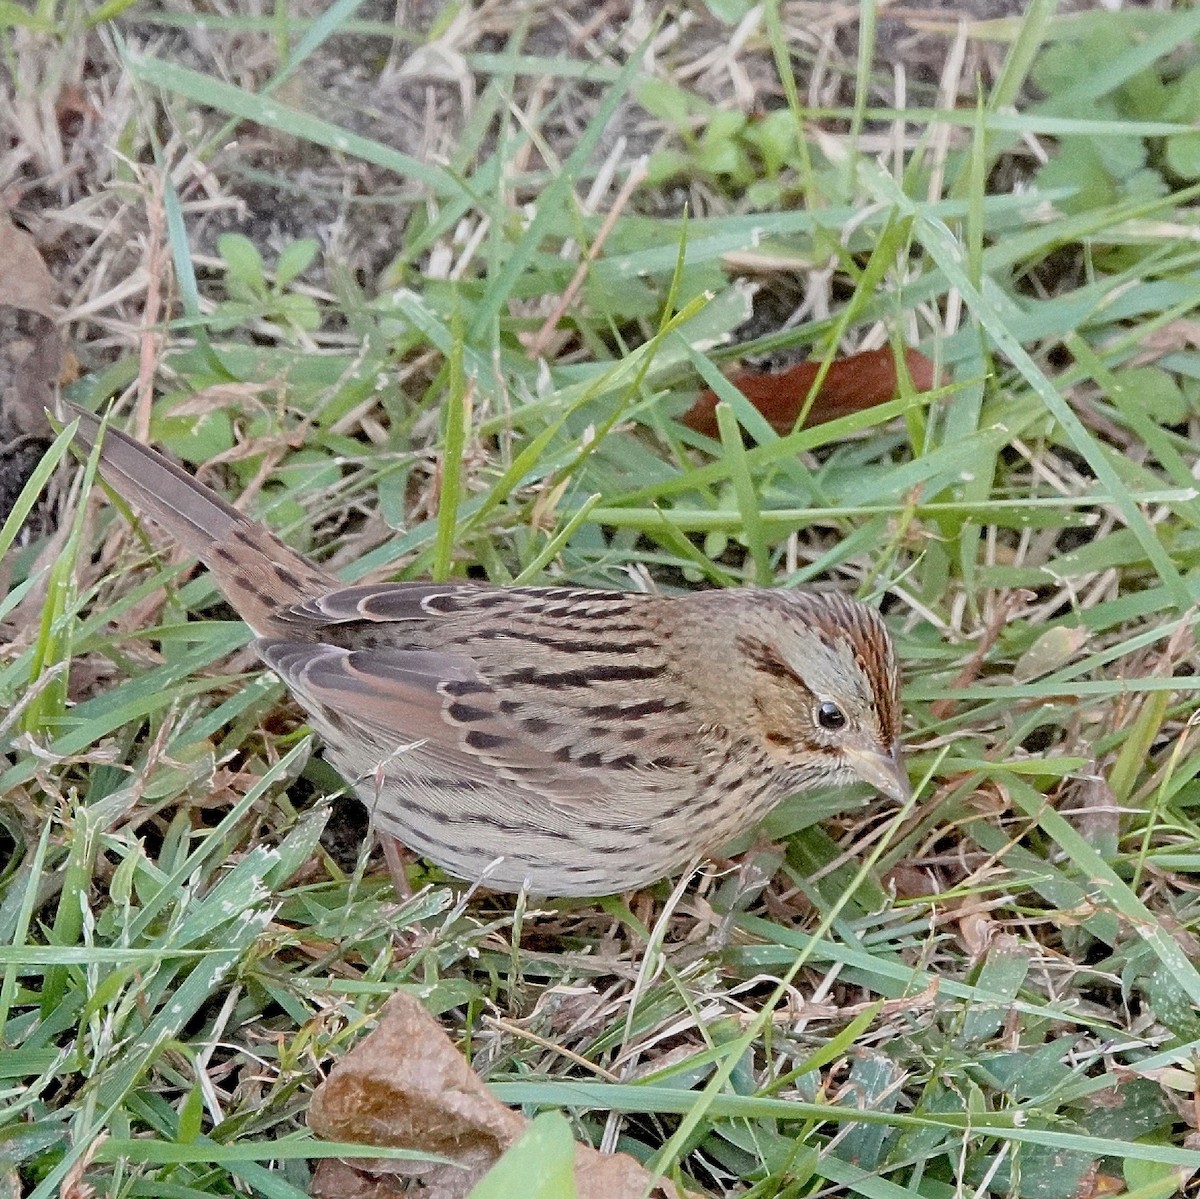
<point x="1174" y="1078"/>
<point x="1096" y="1185"/>
<point x="31" y="359"/>
<point x="24" y="280"/>
<point x="72" y="110"/>
<point x="31" y="362"/>
<point x="1094" y="810"/>
<point x="31" y="351"/>
<point x="910" y="882"/>
<point x="334" y="1179"/>
<point x="406" y="1086"/>
<point x="851" y="384"/>
<point x="976" y="930"/>
<point x="1182" y="334"/>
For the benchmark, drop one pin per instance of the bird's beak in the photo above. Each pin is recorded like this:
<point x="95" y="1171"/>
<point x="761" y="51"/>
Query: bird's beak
<point x="885" y="772"/>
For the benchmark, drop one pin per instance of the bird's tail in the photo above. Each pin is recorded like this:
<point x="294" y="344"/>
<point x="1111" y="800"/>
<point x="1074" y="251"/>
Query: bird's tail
<point x="257" y="573"/>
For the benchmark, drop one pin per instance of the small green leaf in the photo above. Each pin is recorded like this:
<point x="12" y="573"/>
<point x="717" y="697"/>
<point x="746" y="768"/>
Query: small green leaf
<point x="301" y="311"/>
<point x="1161" y="1178"/>
<point x="190" y="1116"/>
<point x="1054" y="648"/>
<point x="194" y="438"/>
<point x="1153" y="392"/>
<point x="295" y="259"/>
<point x="1183" y="155"/>
<point x="541" y="1165"/>
<point x="666" y="165"/>
<point x="774" y="137"/>
<point x="667" y="102"/>
<point x="728" y="12"/>
<point x="1078" y="166"/>
<point x="243" y="262"/>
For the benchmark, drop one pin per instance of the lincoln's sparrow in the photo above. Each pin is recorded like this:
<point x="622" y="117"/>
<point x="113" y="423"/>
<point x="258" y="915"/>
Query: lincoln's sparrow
<point x="573" y="741"/>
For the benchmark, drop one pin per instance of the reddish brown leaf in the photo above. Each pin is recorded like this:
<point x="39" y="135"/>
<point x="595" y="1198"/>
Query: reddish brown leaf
<point x="850" y="385"/>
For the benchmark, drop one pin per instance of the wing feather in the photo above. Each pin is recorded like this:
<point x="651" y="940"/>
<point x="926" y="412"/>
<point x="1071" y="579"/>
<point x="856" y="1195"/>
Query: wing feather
<point x="411" y="603"/>
<point x="435" y="706"/>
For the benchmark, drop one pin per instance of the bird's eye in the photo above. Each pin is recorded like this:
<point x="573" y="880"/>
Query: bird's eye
<point x="831" y="717"/>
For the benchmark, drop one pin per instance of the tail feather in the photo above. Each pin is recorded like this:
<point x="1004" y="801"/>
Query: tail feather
<point x="254" y="569"/>
<point x="194" y="515"/>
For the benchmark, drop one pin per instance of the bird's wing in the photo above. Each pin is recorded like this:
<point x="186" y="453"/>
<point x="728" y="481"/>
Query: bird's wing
<point x="434" y="713"/>
<point x="381" y="602"/>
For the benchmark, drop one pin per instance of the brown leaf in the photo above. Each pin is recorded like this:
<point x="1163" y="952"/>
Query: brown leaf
<point x="333" y="1179"/>
<point x="1094" y="810"/>
<point x="910" y="882"/>
<point x="406" y="1086"/>
<point x="31" y="352"/>
<point x="72" y="109"/>
<point x="851" y="384"/>
<point x="1182" y="334"/>
<point x="24" y="280"/>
